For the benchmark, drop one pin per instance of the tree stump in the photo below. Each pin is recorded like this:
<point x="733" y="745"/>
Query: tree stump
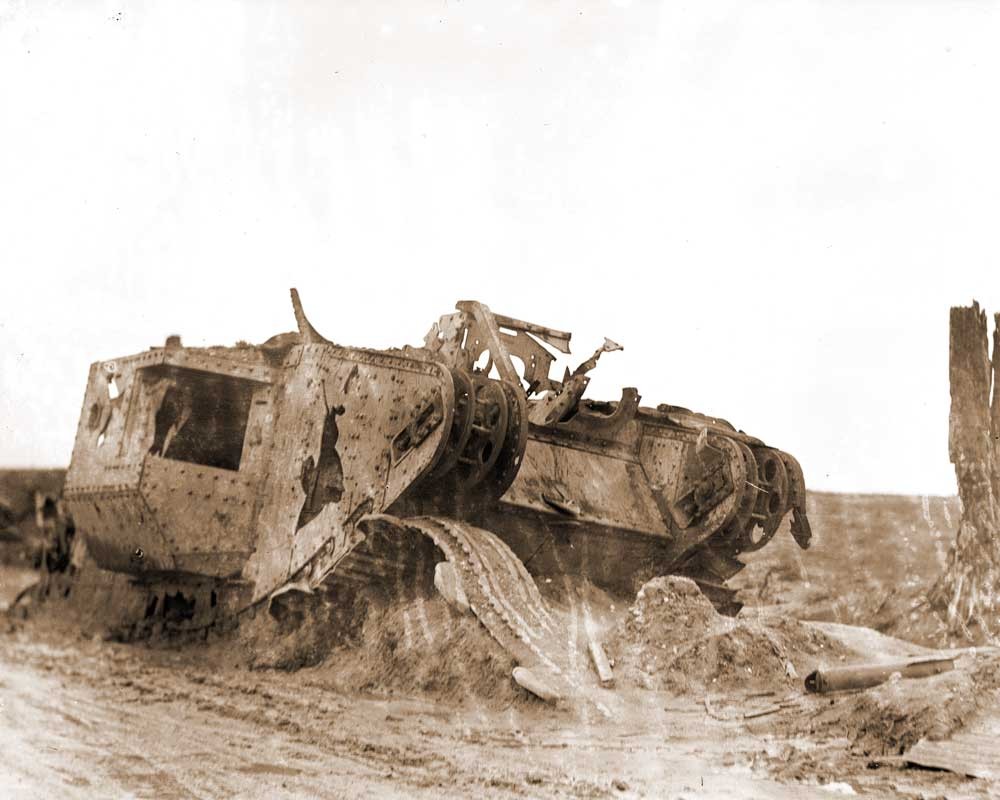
<point x="968" y="593"/>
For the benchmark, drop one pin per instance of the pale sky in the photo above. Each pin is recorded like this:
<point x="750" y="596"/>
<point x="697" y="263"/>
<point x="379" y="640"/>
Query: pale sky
<point x="771" y="205"/>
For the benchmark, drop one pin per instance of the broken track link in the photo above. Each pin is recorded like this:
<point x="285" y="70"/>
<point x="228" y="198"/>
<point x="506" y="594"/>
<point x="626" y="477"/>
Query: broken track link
<point x="801" y="530"/>
<point x="499" y="590"/>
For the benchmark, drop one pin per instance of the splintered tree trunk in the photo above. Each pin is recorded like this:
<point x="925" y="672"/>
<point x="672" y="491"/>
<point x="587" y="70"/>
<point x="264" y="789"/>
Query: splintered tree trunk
<point x="995" y="413"/>
<point x="969" y="588"/>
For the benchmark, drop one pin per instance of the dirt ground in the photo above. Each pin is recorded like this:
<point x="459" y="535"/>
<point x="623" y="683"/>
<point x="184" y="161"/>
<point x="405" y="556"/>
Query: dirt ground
<point x="872" y="559"/>
<point x="83" y="717"/>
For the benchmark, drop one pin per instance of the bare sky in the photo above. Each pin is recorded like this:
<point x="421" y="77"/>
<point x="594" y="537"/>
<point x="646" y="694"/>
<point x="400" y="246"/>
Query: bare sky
<point x="770" y="204"/>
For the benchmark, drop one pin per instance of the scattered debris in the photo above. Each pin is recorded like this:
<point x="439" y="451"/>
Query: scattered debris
<point x="534" y="683"/>
<point x="674" y="640"/>
<point x="35" y="527"/>
<point x="864" y="676"/>
<point x="838" y="787"/>
<point x="973" y="751"/>
<point x="601" y="664"/>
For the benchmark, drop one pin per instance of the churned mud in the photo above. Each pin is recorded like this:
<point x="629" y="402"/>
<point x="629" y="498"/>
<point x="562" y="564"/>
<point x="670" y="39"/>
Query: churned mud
<point x="84" y="718"/>
<point x="414" y="699"/>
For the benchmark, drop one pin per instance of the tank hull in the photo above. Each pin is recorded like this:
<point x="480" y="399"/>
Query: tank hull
<point x="212" y="482"/>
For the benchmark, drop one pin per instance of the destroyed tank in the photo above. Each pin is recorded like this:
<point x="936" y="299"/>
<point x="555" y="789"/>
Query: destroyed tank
<point x="218" y="481"/>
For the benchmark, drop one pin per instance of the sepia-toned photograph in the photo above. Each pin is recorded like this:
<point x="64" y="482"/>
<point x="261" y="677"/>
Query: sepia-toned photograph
<point x="499" y="399"/>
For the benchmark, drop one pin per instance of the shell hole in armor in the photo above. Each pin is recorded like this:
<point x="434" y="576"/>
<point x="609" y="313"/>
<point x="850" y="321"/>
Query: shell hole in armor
<point x="202" y="419"/>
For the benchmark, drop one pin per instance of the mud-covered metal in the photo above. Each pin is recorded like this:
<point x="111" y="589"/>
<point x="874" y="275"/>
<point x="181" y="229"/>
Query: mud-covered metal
<point x="216" y="478"/>
<point x="864" y="676"/>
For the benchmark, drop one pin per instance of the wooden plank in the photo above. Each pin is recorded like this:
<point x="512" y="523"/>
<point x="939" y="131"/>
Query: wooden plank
<point x="601" y="664"/>
<point x="974" y="751"/>
<point x="535" y="684"/>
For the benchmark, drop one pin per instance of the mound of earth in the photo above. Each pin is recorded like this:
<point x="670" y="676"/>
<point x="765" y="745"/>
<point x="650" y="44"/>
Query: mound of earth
<point x="359" y="640"/>
<point x="424" y="645"/>
<point x="673" y="640"/>
<point x="364" y="643"/>
<point x="891" y="718"/>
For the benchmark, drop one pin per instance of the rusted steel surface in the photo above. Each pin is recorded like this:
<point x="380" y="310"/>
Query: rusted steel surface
<point x="863" y="676"/>
<point x="224" y="474"/>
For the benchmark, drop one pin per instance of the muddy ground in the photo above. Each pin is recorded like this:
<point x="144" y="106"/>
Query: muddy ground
<point x="82" y="717"/>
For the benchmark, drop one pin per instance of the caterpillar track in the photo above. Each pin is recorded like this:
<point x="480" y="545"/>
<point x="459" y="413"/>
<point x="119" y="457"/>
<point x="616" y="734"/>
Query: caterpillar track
<point x="495" y="586"/>
<point x="396" y="560"/>
<point x="211" y="483"/>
